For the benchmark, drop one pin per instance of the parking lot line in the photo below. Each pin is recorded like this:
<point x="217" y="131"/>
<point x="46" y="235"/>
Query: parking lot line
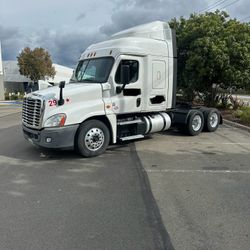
<point x="209" y="143"/>
<point x="197" y="171"/>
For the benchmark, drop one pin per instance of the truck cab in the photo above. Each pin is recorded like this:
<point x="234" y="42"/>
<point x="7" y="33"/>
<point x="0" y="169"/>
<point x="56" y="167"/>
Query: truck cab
<point x="122" y="89"/>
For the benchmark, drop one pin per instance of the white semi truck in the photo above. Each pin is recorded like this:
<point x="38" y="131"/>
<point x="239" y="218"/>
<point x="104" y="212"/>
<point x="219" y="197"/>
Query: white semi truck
<point x="122" y="89"/>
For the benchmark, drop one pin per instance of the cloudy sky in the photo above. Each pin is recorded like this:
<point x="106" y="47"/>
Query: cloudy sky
<point x="66" y="28"/>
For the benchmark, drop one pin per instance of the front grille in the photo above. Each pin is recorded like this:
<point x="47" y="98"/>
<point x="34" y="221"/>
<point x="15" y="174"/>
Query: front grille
<point x="32" y="110"/>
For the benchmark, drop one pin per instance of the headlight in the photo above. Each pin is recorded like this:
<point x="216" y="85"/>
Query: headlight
<point x="57" y="120"/>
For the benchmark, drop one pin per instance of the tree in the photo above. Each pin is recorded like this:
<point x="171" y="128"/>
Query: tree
<point x="35" y="64"/>
<point x="213" y="51"/>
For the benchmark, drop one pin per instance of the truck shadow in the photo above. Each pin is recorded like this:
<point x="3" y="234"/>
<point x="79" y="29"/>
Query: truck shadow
<point x="15" y="146"/>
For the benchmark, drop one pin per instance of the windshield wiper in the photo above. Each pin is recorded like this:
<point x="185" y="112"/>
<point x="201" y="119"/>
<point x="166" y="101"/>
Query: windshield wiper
<point x="89" y="79"/>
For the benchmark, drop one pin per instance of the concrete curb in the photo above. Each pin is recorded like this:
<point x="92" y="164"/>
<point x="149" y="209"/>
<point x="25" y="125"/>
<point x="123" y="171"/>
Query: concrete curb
<point x="236" y="125"/>
<point x="11" y="103"/>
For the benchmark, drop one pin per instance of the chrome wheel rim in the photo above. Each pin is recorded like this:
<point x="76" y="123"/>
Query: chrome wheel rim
<point x="94" y="139"/>
<point x="196" y="123"/>
<point x="213" y="120"/>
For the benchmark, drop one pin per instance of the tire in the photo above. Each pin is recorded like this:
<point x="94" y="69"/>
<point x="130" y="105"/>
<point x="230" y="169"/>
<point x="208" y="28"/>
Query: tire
<point x="211" y="120"/>
<point x="92" y="138"/>
<point x="195" y="123"/>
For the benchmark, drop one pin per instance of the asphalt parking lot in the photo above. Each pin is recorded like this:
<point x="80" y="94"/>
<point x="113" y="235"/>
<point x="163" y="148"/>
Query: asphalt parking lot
<point x="166" y="192"/>
<point x="58" y="200"/>
<point x="202" y="187"/>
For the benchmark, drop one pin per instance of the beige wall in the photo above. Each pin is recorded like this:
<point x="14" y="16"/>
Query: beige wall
<point x="1" y="88"/>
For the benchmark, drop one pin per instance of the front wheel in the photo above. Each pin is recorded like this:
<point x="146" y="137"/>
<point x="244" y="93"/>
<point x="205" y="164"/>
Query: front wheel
<point x="93" y="138"/>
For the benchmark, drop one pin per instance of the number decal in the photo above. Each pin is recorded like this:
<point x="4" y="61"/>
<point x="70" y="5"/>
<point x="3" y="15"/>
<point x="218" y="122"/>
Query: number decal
<point x="52" y="103"/>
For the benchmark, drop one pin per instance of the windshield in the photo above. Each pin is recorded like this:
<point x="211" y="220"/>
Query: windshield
<point x="93" y="70"/>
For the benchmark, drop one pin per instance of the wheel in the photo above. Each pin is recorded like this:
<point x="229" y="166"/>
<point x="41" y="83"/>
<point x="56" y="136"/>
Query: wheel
<point x="195" y="122"/>
<point x="211" y="120"/>
<point x="93" y="138"/>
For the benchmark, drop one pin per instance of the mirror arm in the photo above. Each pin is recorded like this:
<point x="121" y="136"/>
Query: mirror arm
<point x="120" y="89"/>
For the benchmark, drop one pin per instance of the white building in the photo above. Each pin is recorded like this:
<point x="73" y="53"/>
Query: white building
<point x="62" y="74"/>
<point x="1" y="76"/>
<point x="11" y="81"/>
<point x="15" y="82"/>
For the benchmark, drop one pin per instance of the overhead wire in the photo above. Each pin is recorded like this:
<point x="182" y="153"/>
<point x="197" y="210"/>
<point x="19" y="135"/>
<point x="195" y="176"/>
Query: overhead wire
<point x="227" y="5"/>
<point x="212" y="6"/>
<point x="220" y="2"/>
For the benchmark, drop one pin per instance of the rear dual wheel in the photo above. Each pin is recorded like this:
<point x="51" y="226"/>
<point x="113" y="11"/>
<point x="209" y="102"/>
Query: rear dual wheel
<point x="211" y="120"/>
<point x="198" y="120"/>
<point x="195" y="122"/>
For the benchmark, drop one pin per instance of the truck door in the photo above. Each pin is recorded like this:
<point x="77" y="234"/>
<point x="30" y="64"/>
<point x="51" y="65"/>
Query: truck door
<point x="129" y="100"/>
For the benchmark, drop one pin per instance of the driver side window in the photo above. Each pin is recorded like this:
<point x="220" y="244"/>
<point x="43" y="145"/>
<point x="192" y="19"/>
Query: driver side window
<point x="133" y="68"/>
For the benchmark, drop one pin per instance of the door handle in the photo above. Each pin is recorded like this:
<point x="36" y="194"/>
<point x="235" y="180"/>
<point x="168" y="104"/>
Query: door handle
<point x="138" y="102"/>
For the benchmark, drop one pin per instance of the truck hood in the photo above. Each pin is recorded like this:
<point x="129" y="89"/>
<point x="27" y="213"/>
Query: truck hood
<point x="79" y="99"/>
<point x="75" y="95"/>
<point x="71" y="90"/>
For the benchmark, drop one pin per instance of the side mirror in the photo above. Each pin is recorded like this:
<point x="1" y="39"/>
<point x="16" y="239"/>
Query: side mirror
<point x="125" y="78"/>
<point x="61" y="100"/>
<point x="62" y="84"/>
<point x="125" y="74"/>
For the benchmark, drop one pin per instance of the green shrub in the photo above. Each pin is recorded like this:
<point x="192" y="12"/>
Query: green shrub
<point x="13" y="96"/>
<point x="237" y="113"/>
<point x="243" y="114"/>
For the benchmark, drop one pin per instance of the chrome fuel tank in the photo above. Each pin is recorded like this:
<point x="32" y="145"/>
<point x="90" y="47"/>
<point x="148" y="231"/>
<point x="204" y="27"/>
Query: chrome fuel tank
<point x="157" y="122"/>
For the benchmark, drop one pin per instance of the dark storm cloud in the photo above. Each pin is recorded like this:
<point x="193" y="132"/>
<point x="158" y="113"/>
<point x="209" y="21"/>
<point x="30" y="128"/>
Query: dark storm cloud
<point x="8" y="33"/>
<point x="64" y="47"/>
<point x="10" y="41"/>
<point x="124" y="19"/>
<point x="67" y="47"/>
<point x="65" y="43"/>
<point x="80" y="17"/>
<point x="133" y="12"/>
<point x="70" y="46"/>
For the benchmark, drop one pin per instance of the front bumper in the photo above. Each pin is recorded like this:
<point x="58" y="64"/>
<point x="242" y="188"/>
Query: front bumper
<point x="59" y="138"/>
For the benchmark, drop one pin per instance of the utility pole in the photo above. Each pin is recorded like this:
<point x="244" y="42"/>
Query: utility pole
<point x="1" y="75"/>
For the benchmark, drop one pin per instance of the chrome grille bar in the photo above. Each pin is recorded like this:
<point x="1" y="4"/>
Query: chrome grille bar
<point x="31" y="113"/>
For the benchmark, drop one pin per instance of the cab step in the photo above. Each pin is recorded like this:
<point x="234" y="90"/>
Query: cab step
<point x="132" y="137"/>
<point x="130" y="122"/>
